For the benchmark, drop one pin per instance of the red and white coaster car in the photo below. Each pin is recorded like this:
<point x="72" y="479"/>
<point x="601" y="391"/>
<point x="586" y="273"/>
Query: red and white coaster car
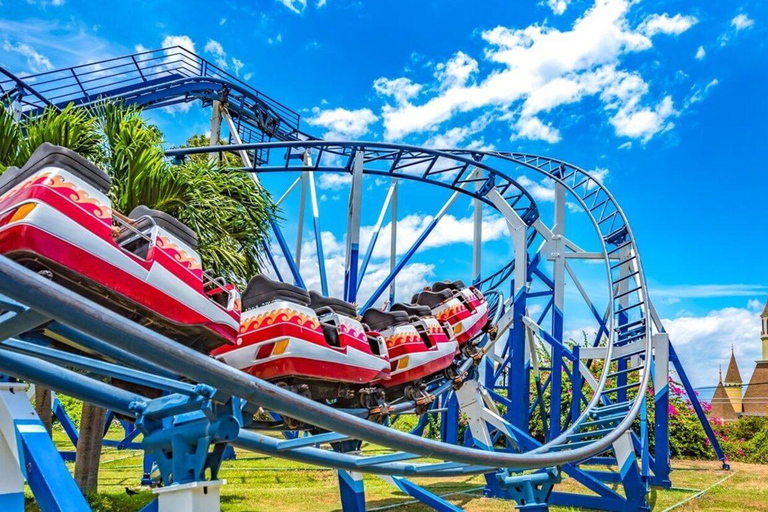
<point x="322" y="352"/>
<point x="419" y="345"/>
<point x="463" y="307"/>
<point x="56" y="217"/>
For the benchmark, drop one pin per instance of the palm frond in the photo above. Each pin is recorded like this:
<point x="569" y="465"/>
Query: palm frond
<point x="10" y="137"/>
<point x="73" y="128"/>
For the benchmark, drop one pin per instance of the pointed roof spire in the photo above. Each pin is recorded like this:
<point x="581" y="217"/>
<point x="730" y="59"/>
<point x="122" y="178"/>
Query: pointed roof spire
<point x="732" y="375"/>
<point x="720" y="380"/>
<point x="765" y="311"/>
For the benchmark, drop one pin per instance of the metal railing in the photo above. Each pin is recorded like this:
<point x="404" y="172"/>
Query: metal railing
<point x="89" y="82"/>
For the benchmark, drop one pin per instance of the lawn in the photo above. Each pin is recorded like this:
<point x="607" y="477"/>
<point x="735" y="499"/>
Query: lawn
<point x="258" y="483"/>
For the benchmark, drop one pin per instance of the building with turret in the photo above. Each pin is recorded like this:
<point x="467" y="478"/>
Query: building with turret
<point x="732" y="399"/>
<point x="721" y="403"/>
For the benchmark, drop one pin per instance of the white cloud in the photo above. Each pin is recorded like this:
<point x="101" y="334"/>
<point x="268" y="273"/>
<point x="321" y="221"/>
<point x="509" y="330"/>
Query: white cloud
<point x="36" y="61"/>
<point x="183" y="41"/>
<point x="699" y="92"/>
<point x="455" y="137"/>
<point x="666" y="24"/>
<point x="217" y="50"/>
<point x="532" y="128"/>
<point x="343" y="124"/>
<point x="296" y="6"/>
<point x="545" y="68"/>
<point x="275" y="40"/>
<point x="600" y="174"/>
<point x="237" y="65"/>
<point x="214" y="47"/>
<point x="222" y="22"/>
<point x="701" y="53"/>
<point x="742" y="21"/>
<point x="558" y="6"/>
<point x="704" y="342"/>
<point x="333" y="181"/>
<point x="632" y="119"/>
<point x="401" y="89"/>
<point x="541" y="191"/>
<point x="320" y="3"/>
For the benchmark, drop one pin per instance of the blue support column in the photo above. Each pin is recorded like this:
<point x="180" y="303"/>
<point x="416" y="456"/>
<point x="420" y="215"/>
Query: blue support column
<point x="28" y="453"/>
<point x="557" y="373"/>
<point x="697" y="406"/>
<point x="661" y="464"/>
<point x="576" y="381"/>
<point x="518" y="390"/>
<point x="352" y="491"/>
<point x="449" y="420"/>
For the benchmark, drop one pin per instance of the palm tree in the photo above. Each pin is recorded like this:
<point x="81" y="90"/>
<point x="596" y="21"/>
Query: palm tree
<point x="73" y="128"/>
<point x="229" y="212"/>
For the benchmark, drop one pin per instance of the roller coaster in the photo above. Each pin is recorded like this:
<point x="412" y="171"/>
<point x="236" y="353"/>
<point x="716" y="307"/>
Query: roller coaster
<point x="536" y="405"/>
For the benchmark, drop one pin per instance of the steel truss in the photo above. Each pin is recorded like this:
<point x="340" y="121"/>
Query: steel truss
<point x="606" y="421"/>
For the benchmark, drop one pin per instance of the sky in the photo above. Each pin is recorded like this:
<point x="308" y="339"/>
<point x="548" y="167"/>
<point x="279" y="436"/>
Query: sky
<point x="663" y="100"/>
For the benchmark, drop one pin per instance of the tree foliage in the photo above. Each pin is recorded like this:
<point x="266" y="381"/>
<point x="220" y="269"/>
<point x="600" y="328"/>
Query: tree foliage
<point x="228" y="210"/>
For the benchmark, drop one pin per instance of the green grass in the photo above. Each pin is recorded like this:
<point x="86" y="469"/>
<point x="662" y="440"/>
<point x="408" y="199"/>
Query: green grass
<point x="259" y="483"/>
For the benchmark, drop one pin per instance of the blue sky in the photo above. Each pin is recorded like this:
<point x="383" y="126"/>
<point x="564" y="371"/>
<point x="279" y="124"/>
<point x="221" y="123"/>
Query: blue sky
<point x="665" y="100"/>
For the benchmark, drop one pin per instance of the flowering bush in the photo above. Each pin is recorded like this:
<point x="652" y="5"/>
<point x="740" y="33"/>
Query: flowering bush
<point x="745" y="439"/>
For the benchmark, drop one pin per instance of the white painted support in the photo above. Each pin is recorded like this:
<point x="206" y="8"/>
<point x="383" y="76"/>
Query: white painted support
<point x="355" y="205"/>
<point x="661" y="361"/>
<point x="477" y="234"/>
<point x="393" y="236"/>
<point x="300" y="220"/>
<point x="313" y="196"/>
<point x="14" y="405"/>
<point x="624" y="270"/>
<point x="236" y="136"/>
<point x="191" y="497"/>
<point x="624" y="450"/>
<point x="517" y="229"/>
<point x="471" y="403"/>
<point x="548" y="235"/>
<point x="558" y="256"/>
<point x="288" y="191"/>
<point x="215" y="129"/>
<point x="481" y="410"/>
<point x="530" y="338"/>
